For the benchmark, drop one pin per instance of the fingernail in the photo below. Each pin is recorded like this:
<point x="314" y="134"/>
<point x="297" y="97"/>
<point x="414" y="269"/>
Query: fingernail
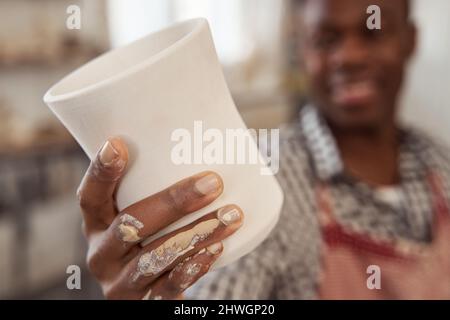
<point x="229" y="215"/>
<point x="214" y="248"/>
<point x="207" y="184"/>
<point x="108" y="155"/>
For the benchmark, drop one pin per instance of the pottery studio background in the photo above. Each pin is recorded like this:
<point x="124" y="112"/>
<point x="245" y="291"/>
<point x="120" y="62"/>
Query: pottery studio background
<point x="41" y="166"/>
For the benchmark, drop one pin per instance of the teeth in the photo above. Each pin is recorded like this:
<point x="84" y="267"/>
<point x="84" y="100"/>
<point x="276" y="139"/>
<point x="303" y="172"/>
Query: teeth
<point x="362" y="88"/>
<point x="357" y="86"/>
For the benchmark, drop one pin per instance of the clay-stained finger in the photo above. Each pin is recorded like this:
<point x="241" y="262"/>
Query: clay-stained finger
<point x="164" y="253"/>
<point x="172" y="285"/>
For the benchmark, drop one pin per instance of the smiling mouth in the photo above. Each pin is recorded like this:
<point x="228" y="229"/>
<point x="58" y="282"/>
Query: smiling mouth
<point x="354" y="94"/>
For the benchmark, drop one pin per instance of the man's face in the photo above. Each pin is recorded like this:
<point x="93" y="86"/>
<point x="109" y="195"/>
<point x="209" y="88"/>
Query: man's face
<point x="356" y="73"/>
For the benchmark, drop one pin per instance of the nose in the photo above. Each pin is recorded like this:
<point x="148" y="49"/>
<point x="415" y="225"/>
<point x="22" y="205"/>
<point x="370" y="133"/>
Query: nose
<point x="352" y="53"/>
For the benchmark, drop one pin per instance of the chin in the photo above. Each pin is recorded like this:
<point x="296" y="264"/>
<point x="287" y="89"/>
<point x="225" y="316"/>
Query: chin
<point x="356" y="117"/>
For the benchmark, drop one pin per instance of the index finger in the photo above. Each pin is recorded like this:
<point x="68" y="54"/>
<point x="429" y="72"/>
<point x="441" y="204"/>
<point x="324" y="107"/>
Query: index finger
<point x="150" y="215"/>
<point x="96" y="191"/>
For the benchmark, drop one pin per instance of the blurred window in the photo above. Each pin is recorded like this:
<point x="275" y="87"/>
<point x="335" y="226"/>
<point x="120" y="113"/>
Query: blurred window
<point x="247" y="34"/>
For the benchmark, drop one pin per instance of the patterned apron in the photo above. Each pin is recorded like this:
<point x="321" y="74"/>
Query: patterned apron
<point x="407" y="270"/>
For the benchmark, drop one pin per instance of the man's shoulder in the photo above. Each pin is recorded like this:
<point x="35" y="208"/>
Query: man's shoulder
<point x="436" y="150"/>
<point x="296" y="178"/>
<point x="292" y="142"/>
<point x="290" y="132"/>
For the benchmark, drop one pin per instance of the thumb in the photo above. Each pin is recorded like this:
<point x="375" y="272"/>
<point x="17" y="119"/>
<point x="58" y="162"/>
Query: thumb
<point x="96" y="191"/>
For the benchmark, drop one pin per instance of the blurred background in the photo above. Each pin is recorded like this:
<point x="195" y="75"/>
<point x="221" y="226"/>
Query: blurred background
<point x="41" y="166"/>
